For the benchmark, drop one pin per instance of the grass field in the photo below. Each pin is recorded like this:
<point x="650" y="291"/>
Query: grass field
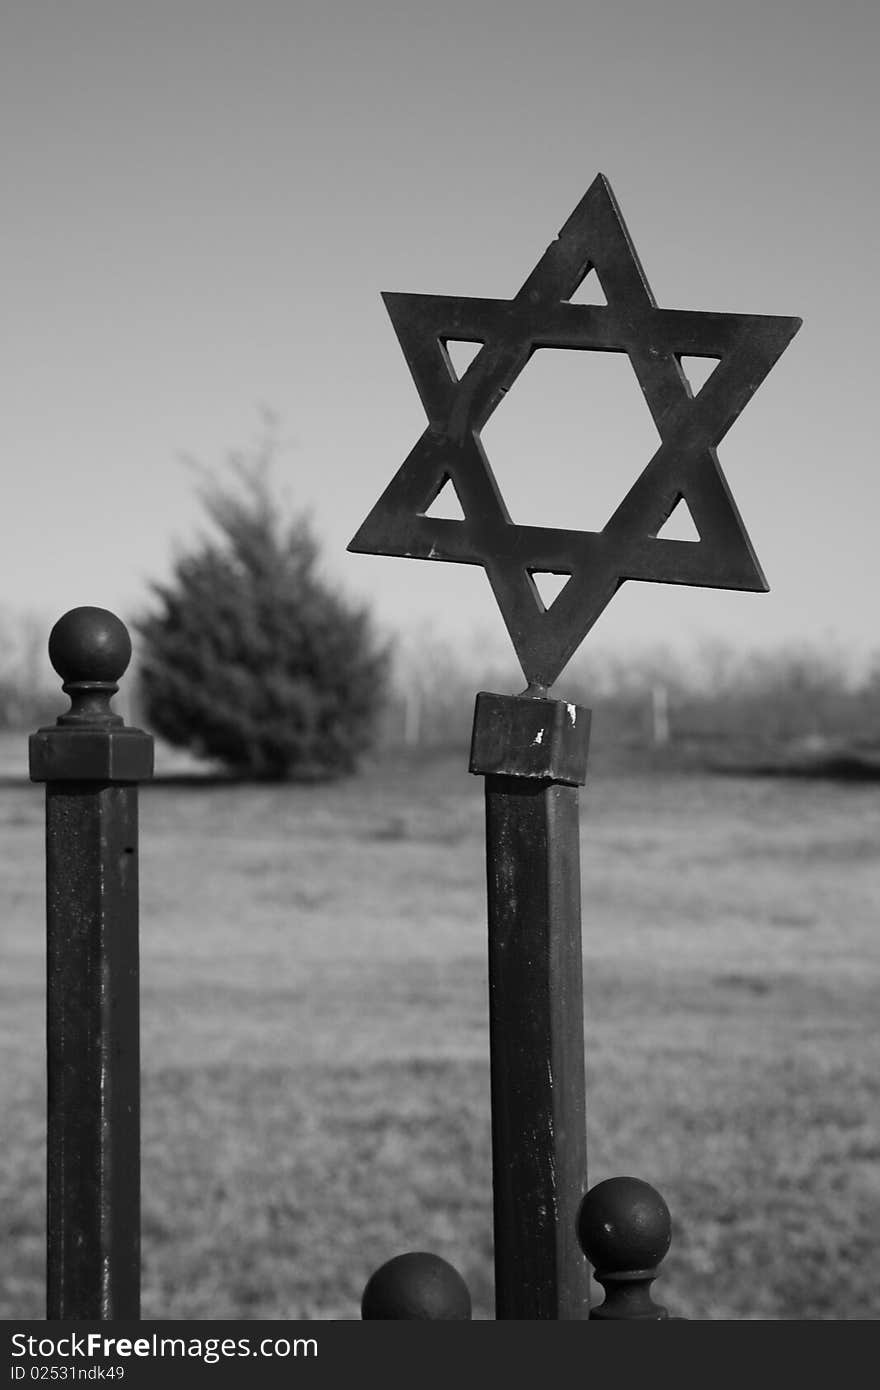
<point x="314" y="1024"/>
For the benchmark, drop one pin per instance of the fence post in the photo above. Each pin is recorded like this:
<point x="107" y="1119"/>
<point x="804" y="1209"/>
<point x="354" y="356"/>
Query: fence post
<point x="533" y="754"/>
<point x="91" y="764"/>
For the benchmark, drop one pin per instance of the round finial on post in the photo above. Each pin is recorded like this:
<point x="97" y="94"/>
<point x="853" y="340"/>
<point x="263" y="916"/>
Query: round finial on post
<point x="417" y="1285"/>
<point x="625" y="1229"/>
<point x="90" y="649"/>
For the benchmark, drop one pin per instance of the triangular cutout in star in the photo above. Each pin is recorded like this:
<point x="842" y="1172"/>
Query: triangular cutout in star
<point x="697" y="370"/>
<point x="460" y="354"/>
<point x="590" y="290"/>
<point x="679" y="525"/>
<point x="447" y="504"/>
<point x="549" y="586"/>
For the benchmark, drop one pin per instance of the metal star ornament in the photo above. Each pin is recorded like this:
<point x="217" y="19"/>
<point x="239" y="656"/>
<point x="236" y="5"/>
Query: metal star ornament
<point x="684" y="468"/>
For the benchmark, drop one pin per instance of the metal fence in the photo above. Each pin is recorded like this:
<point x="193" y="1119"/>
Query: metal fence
<point x="548" y="1228"/>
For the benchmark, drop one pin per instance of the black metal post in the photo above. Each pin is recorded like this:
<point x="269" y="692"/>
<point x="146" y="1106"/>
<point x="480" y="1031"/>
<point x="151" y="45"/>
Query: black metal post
<point x="91" y="764"/>
<point x="533" y="754"/>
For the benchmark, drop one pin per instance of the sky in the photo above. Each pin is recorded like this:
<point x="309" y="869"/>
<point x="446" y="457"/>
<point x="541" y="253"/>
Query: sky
<point x="204" y="202"/>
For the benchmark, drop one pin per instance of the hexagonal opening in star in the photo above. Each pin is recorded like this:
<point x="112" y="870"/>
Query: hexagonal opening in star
<point x="570" y="438"/>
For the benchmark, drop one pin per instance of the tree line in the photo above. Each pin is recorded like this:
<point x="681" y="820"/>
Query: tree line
<point x="248" y="658"/>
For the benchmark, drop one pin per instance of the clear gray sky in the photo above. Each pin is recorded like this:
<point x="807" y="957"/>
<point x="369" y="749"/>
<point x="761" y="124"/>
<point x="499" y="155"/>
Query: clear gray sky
<point x="204" y="199"/>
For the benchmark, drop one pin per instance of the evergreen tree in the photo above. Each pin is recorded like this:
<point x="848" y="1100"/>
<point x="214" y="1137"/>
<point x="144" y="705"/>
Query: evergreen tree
<point x="251" y="659"/>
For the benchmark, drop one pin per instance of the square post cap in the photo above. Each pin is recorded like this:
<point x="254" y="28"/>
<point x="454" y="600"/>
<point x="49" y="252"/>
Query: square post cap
<point x="518" y="736"/>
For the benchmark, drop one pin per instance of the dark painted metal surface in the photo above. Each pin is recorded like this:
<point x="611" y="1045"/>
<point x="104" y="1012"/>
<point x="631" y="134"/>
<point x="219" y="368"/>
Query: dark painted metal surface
<point x="416" y="1286"/>
<point x="536" y="1031"/>
<point x="625" y="1230"/>
<point x="684" y="467"/>
<point x="91" y="764"/>
<point x="530" y="737"/>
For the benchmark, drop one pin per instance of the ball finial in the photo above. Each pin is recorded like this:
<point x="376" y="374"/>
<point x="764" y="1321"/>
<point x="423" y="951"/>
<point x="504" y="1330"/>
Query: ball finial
<point x="416" y="1285"/>
<point x="91" y="645"/>
<point x="624" y="1223"/>
<point x="625" y="1229"/>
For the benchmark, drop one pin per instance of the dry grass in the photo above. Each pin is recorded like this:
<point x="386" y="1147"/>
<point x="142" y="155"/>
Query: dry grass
<point x="315" y="1053"/>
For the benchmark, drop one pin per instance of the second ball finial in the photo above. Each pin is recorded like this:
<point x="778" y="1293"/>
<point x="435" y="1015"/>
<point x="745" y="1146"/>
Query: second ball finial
<point x="625" y="1229"/>
<point x="416" y="1286"/>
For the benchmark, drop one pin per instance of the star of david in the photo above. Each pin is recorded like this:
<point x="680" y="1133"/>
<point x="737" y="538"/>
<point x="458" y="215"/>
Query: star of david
<point x="684" y="468"/>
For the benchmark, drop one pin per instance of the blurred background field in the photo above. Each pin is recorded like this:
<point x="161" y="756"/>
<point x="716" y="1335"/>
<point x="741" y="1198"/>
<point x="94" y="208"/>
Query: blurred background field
<point x="315" y="1052"/>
